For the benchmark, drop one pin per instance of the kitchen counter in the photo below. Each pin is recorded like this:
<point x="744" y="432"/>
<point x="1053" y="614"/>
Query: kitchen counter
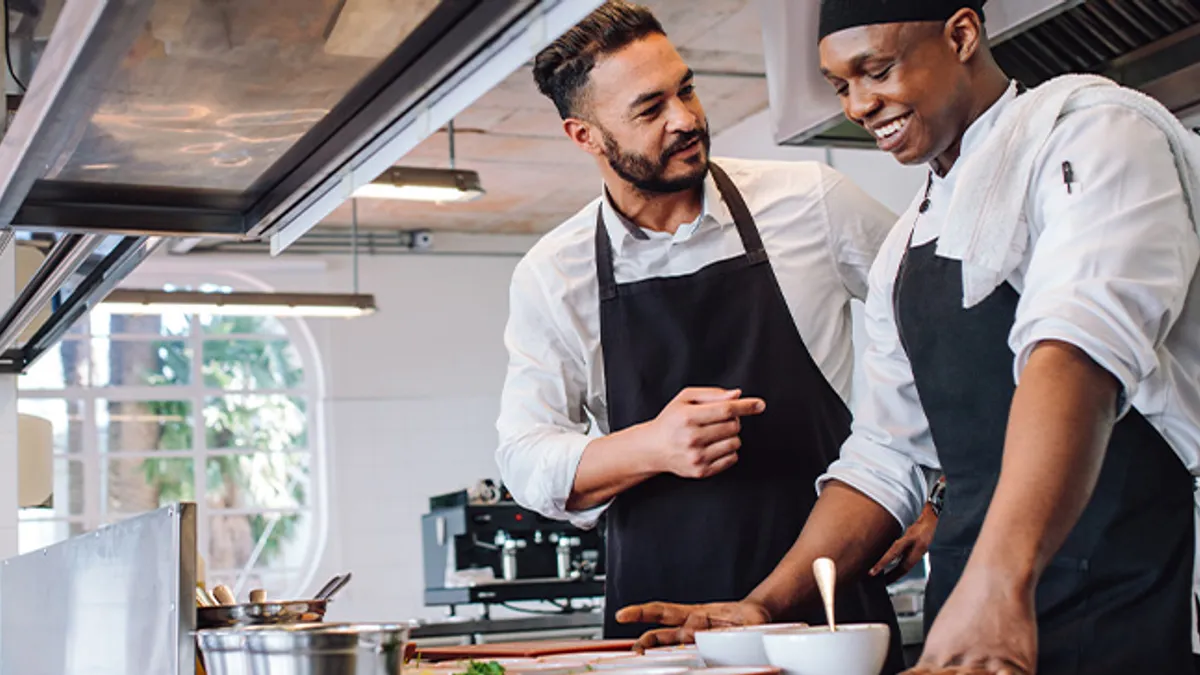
<point x="587" y="625"/>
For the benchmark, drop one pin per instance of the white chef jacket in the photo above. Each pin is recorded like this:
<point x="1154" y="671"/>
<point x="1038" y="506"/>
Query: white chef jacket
<point x="820" y="231"/>
<point x="1111" y="269"/>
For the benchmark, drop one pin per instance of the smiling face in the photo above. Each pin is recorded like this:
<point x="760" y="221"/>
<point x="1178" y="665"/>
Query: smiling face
<point x="908" y="84"/>
<point x="642" y="115"/>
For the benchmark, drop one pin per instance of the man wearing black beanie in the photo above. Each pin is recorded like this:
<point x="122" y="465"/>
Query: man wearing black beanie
<point x="840" y="15"/>
<point x="1066" y="538"/>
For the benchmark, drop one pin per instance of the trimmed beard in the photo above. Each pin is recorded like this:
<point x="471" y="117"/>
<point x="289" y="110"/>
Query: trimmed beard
<point x="646" y="174"/>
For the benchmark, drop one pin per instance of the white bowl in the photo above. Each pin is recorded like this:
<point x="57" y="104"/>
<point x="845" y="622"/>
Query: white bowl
<point x="737" y="646"/>
<point x="853" y="649"/>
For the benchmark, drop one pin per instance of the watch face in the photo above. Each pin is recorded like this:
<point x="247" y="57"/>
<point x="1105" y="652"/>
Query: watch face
<point x="937" y="496"/>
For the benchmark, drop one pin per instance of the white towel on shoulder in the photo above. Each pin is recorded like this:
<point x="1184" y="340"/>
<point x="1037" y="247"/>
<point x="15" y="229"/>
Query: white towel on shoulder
<point x="985" y="228"/>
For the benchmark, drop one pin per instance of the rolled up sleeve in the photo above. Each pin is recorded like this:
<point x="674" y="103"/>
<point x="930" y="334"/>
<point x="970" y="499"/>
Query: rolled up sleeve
<point x="889" y="455"/>
<point x="1114" y="255"/>
<point x="543" y="428"/>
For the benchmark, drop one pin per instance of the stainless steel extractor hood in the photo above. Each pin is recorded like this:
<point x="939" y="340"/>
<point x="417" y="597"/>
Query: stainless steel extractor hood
<point x="1151" y="45"/>
<point x="253" y="119"/>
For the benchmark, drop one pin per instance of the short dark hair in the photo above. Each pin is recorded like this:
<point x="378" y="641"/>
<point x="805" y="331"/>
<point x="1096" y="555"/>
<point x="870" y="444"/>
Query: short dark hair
<point x="562" y="70"/>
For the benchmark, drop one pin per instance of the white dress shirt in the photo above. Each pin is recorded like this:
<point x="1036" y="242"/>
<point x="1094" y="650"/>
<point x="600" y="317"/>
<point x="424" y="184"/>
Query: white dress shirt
<point x="1110" y="268"/>
<point x="820" y="231"/>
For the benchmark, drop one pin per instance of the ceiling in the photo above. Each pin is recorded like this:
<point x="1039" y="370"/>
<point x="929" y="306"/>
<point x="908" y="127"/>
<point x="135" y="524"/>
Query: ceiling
<point x="534" y="177"/>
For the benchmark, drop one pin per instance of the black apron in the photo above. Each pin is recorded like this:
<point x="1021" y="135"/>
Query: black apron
<point x="1115" y="599"/>
<point x="727" y="325"/>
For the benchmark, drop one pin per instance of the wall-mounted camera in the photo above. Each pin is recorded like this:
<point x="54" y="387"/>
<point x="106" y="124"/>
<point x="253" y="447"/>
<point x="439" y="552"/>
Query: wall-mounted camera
<point x="422" y="240"/>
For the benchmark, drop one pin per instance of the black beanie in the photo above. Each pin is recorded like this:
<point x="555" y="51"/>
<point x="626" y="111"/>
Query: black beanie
<point x="838" y="15"/>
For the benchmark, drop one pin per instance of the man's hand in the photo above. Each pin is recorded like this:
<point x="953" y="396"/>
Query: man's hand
<point x="908" y="549"/>
<point x="687" y="619"/>
<point x="987" y="626"/>
<point x="696" y="435"/>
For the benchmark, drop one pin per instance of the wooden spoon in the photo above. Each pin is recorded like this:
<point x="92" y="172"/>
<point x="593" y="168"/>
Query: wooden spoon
<point x="223" y="595"/>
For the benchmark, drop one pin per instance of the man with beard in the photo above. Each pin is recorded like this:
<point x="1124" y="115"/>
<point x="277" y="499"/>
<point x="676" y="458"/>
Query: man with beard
<point x="696" y="317"/>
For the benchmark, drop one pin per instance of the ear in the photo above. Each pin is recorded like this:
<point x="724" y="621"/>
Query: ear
<point x="966" y="34"/>
<point x="584" y="135"/>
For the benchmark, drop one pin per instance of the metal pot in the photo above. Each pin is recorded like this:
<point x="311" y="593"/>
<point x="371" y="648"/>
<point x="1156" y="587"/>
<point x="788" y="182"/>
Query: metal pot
<point x="223" y="652"/>
<point x="327" y="649"/>
<point x="224" y="649"/>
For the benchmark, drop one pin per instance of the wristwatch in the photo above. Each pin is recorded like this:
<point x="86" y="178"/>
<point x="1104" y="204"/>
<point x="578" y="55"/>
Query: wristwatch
<point x="937" y="496"/>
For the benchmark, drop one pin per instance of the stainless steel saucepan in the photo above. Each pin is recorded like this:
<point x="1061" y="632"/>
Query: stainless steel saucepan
<point x="306" y="649"/>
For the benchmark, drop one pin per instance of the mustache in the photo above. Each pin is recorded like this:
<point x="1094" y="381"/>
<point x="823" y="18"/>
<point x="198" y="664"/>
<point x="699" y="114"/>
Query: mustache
<point x="683" y="141"/>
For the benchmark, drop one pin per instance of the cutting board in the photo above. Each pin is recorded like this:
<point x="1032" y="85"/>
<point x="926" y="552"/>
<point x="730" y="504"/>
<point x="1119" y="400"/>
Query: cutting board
<point x="508" y="650"/>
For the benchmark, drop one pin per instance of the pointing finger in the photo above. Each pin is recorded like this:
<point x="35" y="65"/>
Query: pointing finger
<point x="663" y="613"/>
<point x="707" y="395"/>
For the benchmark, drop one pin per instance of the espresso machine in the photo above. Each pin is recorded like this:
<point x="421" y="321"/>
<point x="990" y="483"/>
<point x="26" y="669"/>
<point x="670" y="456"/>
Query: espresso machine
<point x="481" y="547"/>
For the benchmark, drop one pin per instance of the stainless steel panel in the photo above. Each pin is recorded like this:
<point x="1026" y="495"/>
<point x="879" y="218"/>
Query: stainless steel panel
<point x="115" y="601"/>
<point x="212" y="94"/>
<point x="85" y="46"/>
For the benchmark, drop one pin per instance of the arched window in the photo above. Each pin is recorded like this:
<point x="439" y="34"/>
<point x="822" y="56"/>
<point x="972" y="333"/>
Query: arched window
<point x="219" y="410"/>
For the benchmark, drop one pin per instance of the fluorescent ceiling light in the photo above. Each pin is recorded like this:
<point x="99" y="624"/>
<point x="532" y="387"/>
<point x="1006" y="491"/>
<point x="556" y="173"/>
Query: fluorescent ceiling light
<point x="135" y="301"/>
<point x="423" y="185"/>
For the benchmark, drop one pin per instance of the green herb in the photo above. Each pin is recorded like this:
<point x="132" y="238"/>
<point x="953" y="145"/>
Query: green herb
<point x="481" y="668"/>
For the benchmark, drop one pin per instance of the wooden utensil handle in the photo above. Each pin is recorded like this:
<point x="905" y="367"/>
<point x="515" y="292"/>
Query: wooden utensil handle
<point x="224" y="595"/>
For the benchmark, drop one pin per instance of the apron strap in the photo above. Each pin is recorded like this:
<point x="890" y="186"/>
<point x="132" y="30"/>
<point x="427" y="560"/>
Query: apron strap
<point x="604" y="259"/>
<point x="748" y="231"/>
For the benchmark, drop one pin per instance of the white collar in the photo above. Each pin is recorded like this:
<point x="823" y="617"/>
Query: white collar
<point x="978" y="132"/>
<point x="621" y="230"/>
